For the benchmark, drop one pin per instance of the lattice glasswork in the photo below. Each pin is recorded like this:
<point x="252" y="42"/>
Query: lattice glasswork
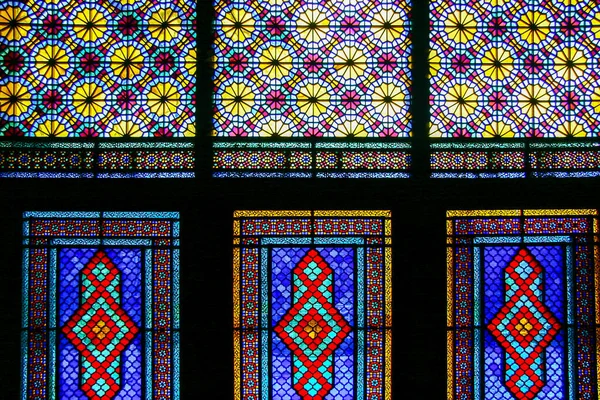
<point x="312" y="305"/>
<point x="101" y="306"/>
<point x="523" y="298"/>
<point x="316" y="70"/>
<point x="520" y="79"/>
<point x="97" y="88"/>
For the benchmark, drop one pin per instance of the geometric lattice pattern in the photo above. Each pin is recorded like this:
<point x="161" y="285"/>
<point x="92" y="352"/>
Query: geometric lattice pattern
<point x="522" y="320"/>
<point x="524" y="326"/>
<point x="311" y="69"/>
<point x="313" y="329"/>
<point x="100" y="329"/>
<point x="312" y="305"/>
<point x="101" y="300"/>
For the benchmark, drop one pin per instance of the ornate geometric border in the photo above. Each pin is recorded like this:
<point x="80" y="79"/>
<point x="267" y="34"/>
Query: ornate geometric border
<point x="254" y="232"/>
<point x="156" y="234"/>
<point x="467" y="232"/>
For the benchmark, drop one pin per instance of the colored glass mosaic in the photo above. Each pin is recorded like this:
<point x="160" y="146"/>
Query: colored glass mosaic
<point x="311" y="69"/>
<point x="514" y="72"/>
<point x="101" y="319"/>
<point x="96" y="71"/>
<point x="310" y="290"/>
<point x="521" y="304"/>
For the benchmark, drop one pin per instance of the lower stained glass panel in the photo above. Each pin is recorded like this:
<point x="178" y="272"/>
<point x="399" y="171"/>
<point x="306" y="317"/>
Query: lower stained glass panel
<point x="521" y="304"/>
<point x="100" y="319"/>
<point x="312" y="305"/>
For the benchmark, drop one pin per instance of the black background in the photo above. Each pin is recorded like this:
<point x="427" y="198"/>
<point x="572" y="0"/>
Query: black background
<point x="206" y="207"/>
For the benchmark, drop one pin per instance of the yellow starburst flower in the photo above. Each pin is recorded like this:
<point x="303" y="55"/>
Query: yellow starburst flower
<point x="387" y="25"/>
<point x="571" y="129"/>
<point x="125" y="128"/>
<point x="533" y="27"/>
<point x="461" y="100"/>
<point x="51" y="61"/>
<point x="51" y="128"/>
<point x="570" y="63"/>
<point x="351" y="129"/>
<point x="15" y="99"/>
<point x="126" y="62"/>
<point x="388" y="99"/>
<point x="89" y="99"/>
<point x="313" y="25"/>
<point x="275" y="62"/>
<point x="163" y="98"/>
<point x="535" y="100"/>
<point x="497" y="63"/>
<point x="164" y="24"/>
<point x="313" y="99"/>
<point x="350" y="62"/>
<point x="238" y="25"/>
<point x="461" y="26"/>
<point x="89" y="24"/>
<point x="238" y="99"/>
<point x="498" y="129"/>
<point x="14" y="23"/>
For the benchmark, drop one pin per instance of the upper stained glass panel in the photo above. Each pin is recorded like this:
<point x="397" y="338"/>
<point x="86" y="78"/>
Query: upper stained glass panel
<point x="76" y="74"/>
<point x="318" y="70"/>
<point x="520" y="78"/>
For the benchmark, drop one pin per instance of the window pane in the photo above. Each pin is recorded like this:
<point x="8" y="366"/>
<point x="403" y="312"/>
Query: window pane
<point x="522" y="317"/>
<point x="305" y="87"/>
<point x="312" y="304"/>
<point x="101" y="301"/>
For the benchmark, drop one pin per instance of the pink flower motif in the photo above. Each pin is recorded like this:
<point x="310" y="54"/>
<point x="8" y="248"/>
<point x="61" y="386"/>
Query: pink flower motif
<point x="349" y="25"/>
<point x="89" y="62"/>
<point x="535" y="132"/>
<point x="14" y="131"/>
<point x="460" y="63"/>
<point x="89" y="132"/>
<point x="127" y="25"/>
<point x="569" y="100"/>
<point x="238" y="131"/>
<point x="497" y="101"/>
<point x="461" y="132"/>
<point x="52" y="99"/>
<point x="569" y="26"/>
<point x="497" y="26"/>
<point x="163" y="132"/>
<point x="126" y="99"/>
<point x="313" y="63"/>
<point x="388" y="132"/>
<point x="533" y="64"/>
<point x="275" y="26"/>
<point x="238" y="62"/>
<point x="275" y="99"/>
<point x="387" y="62"/>
<point x="350" y="100"/>
<point x="164" y="61"/>
<point x="52" y="25"/>
<point x="313" y="132"/>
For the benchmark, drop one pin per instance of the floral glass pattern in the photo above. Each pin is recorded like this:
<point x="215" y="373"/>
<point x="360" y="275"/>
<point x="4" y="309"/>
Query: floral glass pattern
<point x="101" y="306"/>
<point x="298" y="82"/>
<point x="97" y="88"/>
<point x="312" y="305"/>
<point x="523" y="304"/>
<point x="514" y="88"/>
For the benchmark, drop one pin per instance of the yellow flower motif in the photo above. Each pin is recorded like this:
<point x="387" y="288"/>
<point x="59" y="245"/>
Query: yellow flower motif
<point x="126" y="62"/>
<point x="51" y="61"/>
<point x="238" y="99"/>
<point x="351" y="129"/>
<point x="89" y="99"/>
<point x="163" y="99"/>
<point x="238" y="25"/>
<point x="461" y="26"/>
<point x="461" y="100"/>
<point x="164" y="24"/>
<point x="533" y="27"/>
<point x="275" y="128"/>
<point x="570" y="63"/>
<point x="14" y="23"/>
<point x="498" y="129"/>
<point x="350" y="62"/>
<point x="497" y="63"/>
<point x="190" y="61"/>
<point x="125" y="128"/>
<point x="434" y="63"/>
<point x="15" y="99"/>
<point x="313" y="99"/>
<point x="51" y="128"/>
<point x="388" y="99"/>
<point x="534" y="100"/>
<point x="596" y="99"/>
<point x="571" y="129"/>
<point x="595" y="26"/>
<point x="313" y="25"/>
<point x="89" y="24"/>
<point x="275" y="62"/>
<point x="387" y="25"/>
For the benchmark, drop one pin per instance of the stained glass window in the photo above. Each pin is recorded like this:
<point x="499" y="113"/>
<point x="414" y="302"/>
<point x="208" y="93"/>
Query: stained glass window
<point x="523" y="304"/>
<point x="97" y="88"/>
<point x="514" y="88"/>
<point x="312" y="87"/>
<point x="312" y="305"/>
<point x="101" y="306"/>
